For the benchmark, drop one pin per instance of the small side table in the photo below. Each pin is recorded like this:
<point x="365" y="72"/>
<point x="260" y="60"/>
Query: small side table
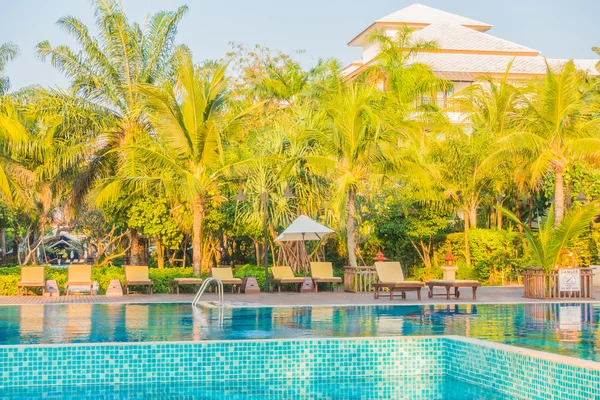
<point x="175" y="283"/>
<point x="249" y="286"/>
<point x="51" y="289"/>
<point x="307" y="286"/>
<point x="114" y="288"/>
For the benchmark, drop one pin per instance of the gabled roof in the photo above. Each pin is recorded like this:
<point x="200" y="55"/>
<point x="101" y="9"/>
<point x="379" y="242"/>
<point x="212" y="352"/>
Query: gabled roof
<point x="456" y="38"/>
<point x="424" y="15"/>
<point x="420" y="16"/>
<point x="483" y="64"/>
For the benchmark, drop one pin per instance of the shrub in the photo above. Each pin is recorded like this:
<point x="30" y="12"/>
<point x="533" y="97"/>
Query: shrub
<point x="10" y="276"/>
<point x="252" y="271"/>
<point x="8" y="284"/>
<point x="492" y="253"/>
<point x="162" y="278"/>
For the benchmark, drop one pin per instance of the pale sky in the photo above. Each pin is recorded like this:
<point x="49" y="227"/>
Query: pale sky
<point x="322" y="28"/>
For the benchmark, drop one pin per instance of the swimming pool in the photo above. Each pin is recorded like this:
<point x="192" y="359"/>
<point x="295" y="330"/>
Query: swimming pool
<point x="567" y="329"/>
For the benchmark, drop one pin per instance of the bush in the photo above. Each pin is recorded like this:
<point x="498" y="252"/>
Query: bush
<point x="426" y="274"/>
<point x="252" y="271"/>
<point x="162" y="278"/>
<point x="492" y="253"/>
<point x="10" y="277"/>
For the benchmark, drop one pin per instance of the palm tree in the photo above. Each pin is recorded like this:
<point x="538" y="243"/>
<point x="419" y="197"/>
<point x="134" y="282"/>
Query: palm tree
<point x="106" y="71"/>
<point x="556" y="125"/>
<point x="357" y="149"/>
<point x="548" y="244"/>
<point x="8" y="51"/>
<point x="397" y="70"/>
<point x="45" y="152"/>
<point x="189" y="117"/>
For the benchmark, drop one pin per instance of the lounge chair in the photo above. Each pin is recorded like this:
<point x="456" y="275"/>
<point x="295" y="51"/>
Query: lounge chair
<point x="137" y="275"/>
<point x="79" y="275"/>
<point x="391" y="277"/>
<point x="226" y="277"/>
<point x="322" y="272"/>
<point x="285" y="275"/>
<point x="32" y="277"/>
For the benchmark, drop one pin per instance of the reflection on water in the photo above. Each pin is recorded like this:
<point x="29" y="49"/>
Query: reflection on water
<point x="566" y="329"/>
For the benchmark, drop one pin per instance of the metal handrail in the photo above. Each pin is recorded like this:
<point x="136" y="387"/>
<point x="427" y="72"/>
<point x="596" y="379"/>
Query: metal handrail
<point x="203" y="288"/>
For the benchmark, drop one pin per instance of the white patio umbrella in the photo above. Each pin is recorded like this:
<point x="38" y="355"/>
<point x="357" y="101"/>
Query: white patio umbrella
<point x="303" y="228"/>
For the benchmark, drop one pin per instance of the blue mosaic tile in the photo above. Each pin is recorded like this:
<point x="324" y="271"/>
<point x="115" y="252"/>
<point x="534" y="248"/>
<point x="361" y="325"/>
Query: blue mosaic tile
<point x="506" y="371"/>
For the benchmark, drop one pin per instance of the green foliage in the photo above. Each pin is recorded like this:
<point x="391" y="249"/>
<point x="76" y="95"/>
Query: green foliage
<point x="8" y="285"/>
<point x="253" y="271"/>
<point x="161" y="278"/>
<point x="548" y="243"/>
<point x="152" y="217"/>
<point x="493" y="252"/>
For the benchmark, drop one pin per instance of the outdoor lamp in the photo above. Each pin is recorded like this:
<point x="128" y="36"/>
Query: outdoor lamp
<point x="240" y="196"/>
<point x="581" y="198"/>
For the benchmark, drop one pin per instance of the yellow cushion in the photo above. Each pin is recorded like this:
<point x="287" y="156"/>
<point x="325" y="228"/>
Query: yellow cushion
<point x="80" y="273"/>
<point x="136" y="273"/>
<point x="389" y="272"/>
<point x="32" y="274"/>
<point x="282" y="273"/>
<point x="321" y="270"/>
<point x="222" y="273"/>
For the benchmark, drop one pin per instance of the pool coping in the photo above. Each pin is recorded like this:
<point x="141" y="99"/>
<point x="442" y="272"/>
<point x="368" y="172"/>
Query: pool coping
<point x="208" y="304"/>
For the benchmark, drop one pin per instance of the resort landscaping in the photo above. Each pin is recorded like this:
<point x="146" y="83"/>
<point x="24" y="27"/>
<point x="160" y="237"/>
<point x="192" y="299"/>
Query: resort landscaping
<point x="422" y="223"/>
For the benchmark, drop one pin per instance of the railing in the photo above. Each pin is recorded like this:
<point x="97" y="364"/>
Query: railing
<point x="359" y="279"/>
<point x="204" y="286"/>
<point x="540" y="284"/>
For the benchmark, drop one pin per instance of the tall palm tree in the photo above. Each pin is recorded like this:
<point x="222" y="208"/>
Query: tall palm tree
<point x="185" y="157"/>
<point x="8" y="51"/>
<point x="358" y="148"/>
<point x="556" y="125"/>
<point x="106" y="71"/>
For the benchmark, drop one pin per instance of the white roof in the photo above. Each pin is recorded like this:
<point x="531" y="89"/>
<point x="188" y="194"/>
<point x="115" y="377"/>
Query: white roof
<point x="455" y="37"/>
<point x="303" y="228"/>
<point x="491" y="64"/>
<point x="420" y="14"/>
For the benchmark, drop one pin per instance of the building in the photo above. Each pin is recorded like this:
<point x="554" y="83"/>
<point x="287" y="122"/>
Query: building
<point x="465" y="50"/>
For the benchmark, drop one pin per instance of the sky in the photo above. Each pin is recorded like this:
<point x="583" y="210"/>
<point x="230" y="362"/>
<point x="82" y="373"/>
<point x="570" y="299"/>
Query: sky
<point x="319" y="28"/>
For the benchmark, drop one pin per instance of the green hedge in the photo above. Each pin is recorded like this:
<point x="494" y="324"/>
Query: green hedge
<point x="492" y="252"/>
<point x="10" y="276"/>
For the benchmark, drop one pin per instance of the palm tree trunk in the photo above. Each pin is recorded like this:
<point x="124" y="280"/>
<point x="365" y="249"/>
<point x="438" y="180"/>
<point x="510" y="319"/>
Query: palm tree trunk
<point x="3" y="244"/>
<point x="351" y="228"/>
<point x="467" y="247"/>
<point x="198" y="212"/>
<point x="559" y="195"/>
<point x="160" y="254"/>
<point x="136" y="256"/>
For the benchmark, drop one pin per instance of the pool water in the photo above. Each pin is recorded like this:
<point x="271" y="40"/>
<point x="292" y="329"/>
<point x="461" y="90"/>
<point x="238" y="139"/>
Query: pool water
<point x="414" y="387"/>
<point x="559" y="328"/>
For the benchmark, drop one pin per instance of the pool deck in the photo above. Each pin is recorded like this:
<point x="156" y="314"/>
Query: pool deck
<point x="488" y="294"/>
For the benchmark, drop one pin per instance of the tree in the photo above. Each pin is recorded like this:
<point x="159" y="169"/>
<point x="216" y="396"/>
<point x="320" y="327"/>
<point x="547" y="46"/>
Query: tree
<point x="190" y="117"/>
<point x="106" y="71"/>
<point x="557" y="124"/>
<point x="358" y="148"/>
<point x="548" y="244"/>
<point x="8" y="51"/>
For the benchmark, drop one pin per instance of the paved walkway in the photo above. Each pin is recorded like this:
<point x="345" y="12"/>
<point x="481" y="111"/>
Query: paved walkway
<point x="484" y="295"/>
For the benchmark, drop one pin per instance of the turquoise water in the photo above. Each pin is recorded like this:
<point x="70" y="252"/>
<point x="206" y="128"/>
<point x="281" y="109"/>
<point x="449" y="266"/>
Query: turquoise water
<point x="414" y="388"/>
<point x="565" y="329"/>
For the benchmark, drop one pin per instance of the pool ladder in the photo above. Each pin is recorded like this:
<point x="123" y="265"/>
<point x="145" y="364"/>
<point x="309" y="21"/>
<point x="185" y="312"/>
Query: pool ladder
<point x="204" y="286"/>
